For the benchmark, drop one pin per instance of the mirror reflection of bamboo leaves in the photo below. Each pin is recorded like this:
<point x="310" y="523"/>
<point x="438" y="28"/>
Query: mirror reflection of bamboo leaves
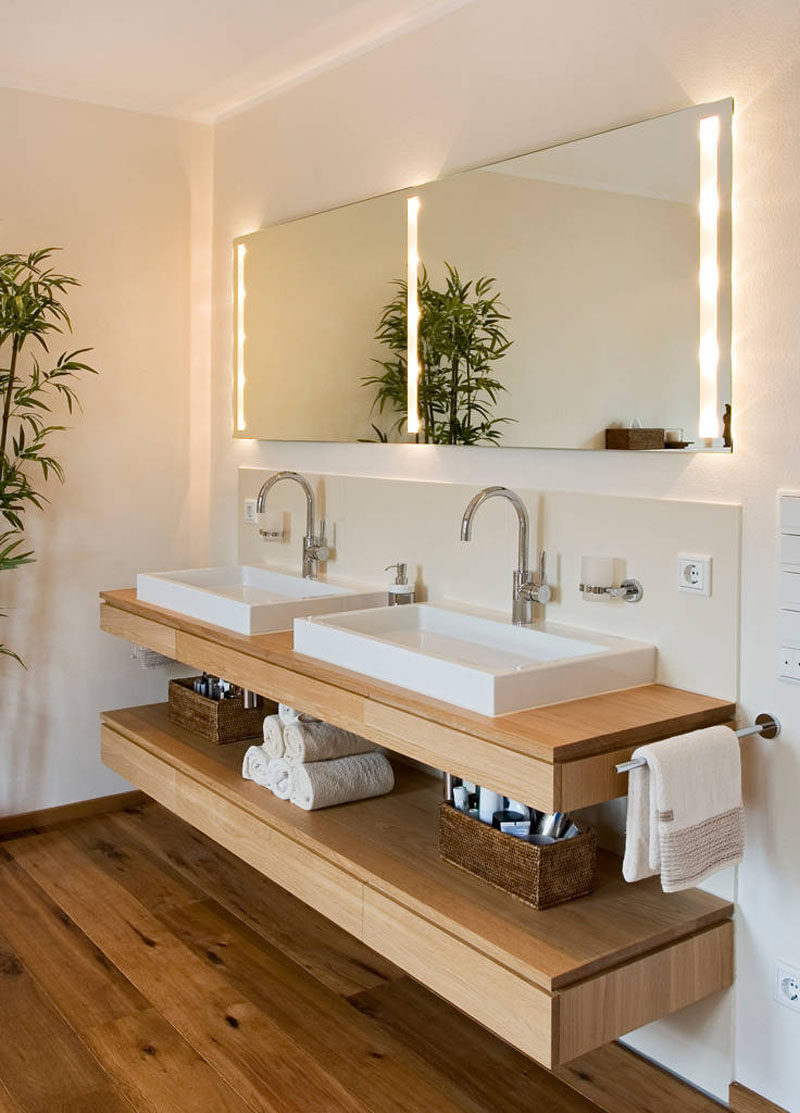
<point x="461" y="338"/>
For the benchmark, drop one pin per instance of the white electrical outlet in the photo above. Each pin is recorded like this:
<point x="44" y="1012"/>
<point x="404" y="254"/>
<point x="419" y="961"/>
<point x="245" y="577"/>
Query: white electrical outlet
<point x="787" y="985"/>
<point x="250" y="514"/>
<point x="694" y="574"/>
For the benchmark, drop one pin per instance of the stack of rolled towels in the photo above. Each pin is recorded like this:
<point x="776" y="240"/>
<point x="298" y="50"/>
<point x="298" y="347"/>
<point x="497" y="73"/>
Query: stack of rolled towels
<point x="314" y="764"/>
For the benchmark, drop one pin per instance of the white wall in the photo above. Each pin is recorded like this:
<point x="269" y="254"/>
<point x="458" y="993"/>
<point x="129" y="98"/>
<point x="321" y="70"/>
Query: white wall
<point x="114" y="189"/>
<point x="493" y="79"/>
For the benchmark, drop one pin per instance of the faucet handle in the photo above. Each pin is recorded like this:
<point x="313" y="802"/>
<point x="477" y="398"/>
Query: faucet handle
<point x="542" y="567"/>
<point x="321" y="532"/>
<point x="539" y="591"/>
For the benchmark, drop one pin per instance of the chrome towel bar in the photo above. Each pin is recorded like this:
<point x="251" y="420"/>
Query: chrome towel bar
<point x="765" y="725"/>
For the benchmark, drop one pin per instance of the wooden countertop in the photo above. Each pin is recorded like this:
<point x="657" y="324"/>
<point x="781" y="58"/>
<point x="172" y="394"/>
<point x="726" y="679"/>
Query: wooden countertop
<point x="557" y="733"/>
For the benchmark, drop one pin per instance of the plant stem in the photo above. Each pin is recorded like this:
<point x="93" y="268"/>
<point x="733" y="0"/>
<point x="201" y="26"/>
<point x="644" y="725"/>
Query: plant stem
<point x="454" y="401"/>
<point x="7" y="400"/>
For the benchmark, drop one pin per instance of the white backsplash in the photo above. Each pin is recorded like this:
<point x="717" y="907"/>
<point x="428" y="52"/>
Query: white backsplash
<point x="374" y="522"/>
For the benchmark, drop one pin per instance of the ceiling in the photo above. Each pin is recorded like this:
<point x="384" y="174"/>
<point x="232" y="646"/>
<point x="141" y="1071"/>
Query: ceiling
<point x="195" y="59"/>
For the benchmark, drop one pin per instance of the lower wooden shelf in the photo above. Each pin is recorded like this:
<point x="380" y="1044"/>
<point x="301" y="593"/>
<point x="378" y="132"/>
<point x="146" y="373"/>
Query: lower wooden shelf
<point x="555" y="983"/>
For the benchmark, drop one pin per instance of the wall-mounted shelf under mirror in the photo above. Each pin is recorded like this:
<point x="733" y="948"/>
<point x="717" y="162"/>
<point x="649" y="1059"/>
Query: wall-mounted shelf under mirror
<point x="610" y="261"/>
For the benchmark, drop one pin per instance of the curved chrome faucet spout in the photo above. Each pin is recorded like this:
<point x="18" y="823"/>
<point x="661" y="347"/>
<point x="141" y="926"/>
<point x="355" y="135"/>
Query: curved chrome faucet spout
<point x="522" y="515"/>
<point x="526" y="590"/>
<point x="315" y="547"/>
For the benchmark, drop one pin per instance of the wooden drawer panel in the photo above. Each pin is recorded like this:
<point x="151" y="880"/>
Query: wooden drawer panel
<point x="508" y="1005"/>
<point x="599" y="1009"/>
<point x="140" y="631"/>
<point x="335" y="705"/>
<point x="504" y="770"/>
<point x="331" y="891"/>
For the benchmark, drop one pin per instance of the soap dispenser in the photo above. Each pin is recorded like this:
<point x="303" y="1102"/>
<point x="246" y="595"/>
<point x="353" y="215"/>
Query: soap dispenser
<point x="401" y="591"/>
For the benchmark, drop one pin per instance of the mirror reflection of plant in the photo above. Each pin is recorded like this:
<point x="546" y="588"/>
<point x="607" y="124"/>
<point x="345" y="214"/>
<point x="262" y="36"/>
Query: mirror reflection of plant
<point x="30" y="309"/>
<point x="461" y="337"/>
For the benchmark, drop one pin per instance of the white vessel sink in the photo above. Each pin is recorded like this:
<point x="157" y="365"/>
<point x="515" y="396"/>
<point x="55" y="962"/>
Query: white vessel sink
<point x="476" y="660"/>
<point x="251" y="599"/>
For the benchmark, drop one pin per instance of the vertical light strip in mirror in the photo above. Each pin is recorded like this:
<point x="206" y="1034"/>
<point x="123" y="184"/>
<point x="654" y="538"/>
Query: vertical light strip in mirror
<point x="709" y="276"/>
<point x="239" y="294"/>
<point x="412" y="326"/>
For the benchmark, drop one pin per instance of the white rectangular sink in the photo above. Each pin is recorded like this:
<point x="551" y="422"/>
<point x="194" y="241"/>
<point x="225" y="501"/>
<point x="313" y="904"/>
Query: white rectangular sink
<point x="476" y="660"/>
<point x="251" y="599"/>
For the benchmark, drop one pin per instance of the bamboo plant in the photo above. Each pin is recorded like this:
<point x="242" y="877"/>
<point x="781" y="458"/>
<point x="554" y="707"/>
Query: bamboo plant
<point x="461" y="337"/>
<point x="31" y="311"/>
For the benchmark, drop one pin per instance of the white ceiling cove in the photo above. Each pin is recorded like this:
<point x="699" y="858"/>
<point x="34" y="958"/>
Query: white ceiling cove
<point x="196" y="59"/>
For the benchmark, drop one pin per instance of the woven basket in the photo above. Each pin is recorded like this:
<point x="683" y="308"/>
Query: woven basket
<point x="539" y="875"/>
<point x="224" y="720"/>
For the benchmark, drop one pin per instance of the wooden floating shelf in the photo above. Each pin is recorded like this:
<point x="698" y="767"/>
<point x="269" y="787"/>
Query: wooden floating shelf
<point x="557" y="758"/>
<point x="554" y="983"/>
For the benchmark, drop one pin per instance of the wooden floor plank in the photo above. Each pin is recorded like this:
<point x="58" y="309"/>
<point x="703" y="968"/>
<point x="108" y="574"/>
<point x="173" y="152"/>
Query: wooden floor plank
<point x="369" y="1062"/>
<point x="496" y="1076"/>
<point x="619" y="1081"/>
<point x="258" y="1061"/>
<point x="145" y="969"/>
<point x="84" y="985"/>
<point x="43" y="1063"/>
<point x="157" y="1069"/>
<point x="329" y="953"/>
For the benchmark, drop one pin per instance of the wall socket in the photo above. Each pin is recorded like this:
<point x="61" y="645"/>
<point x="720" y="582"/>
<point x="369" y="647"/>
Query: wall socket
<point x="787" y="985"/>
<point x="250" y="514"/>
<point x="694" y="574"/>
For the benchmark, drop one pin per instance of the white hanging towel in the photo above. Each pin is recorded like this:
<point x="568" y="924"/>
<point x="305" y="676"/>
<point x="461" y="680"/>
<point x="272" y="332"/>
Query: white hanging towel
<point x="685" y="815"/>
<point x="306" y="742"/>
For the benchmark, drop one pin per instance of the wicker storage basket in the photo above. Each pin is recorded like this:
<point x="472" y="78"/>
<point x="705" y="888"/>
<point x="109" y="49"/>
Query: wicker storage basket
<point x="539" y="875"/>
<point x="225" y="720"/>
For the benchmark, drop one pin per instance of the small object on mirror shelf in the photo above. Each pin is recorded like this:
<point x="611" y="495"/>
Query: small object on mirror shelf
<point x="634" y="439"/>
<point x="727" y="419"/>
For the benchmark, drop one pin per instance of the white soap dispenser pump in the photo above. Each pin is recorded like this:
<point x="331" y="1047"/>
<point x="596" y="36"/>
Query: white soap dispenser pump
<point x="401" y="591"/>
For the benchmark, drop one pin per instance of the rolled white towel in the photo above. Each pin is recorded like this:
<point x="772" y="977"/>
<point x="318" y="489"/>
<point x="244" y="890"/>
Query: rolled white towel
<point x="321" y="784"/>
<point x="288" y="715"/>
<point x="307" y="742"/>
<point x="280" y="778"/>
<point x="255" y="766"/>
<point x="273" y="736"/>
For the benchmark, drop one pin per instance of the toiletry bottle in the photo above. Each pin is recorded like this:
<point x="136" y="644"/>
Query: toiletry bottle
<point x="401" y="591"/>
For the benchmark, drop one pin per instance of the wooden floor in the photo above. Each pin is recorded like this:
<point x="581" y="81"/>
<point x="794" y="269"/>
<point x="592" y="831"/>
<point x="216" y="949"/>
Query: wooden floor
<point x="144" y="968"/>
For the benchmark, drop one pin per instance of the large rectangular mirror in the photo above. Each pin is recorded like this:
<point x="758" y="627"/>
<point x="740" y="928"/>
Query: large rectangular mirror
<point x="575" y="297"/>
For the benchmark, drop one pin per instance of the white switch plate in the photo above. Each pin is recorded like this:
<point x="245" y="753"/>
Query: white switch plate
<point x="250" y="515"/>
<point x="694" y="574"/>
<point x="787" y="985"/>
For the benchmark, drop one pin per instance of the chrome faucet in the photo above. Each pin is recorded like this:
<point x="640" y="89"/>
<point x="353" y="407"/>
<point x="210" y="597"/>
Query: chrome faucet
<point x="315" y="545"/>
<point x="528" y="588"/>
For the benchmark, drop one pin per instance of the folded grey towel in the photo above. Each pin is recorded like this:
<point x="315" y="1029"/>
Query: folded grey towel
<point x="321" y="784"/>
<point x="273" y="737"/>
<point x="306" y="742"/>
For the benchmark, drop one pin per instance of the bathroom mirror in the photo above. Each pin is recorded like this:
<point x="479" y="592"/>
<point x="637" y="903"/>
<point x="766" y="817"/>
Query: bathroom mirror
<point x="606" y="323"/>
